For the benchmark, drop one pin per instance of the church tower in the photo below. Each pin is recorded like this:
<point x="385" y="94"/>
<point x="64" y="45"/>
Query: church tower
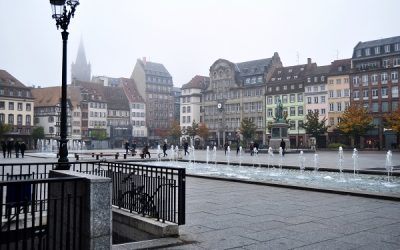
<point x="81" y="69"/>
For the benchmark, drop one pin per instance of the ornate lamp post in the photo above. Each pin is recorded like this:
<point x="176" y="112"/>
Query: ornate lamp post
<point x="62" y="12"/>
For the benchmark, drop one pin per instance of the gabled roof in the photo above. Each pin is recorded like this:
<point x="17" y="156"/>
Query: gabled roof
<point x="197" y="82"/>
<point x="153" y="68"/>
<point x="321" y="70"/>
<point x="131" y="92"/>
<point x="378" y="42"/>
<point x="47" y="97"/>
<point x="116" y="98"/>
<point x="342" y="66"/>
<point x="254" y="67"/>
<point x="7" y="80"/>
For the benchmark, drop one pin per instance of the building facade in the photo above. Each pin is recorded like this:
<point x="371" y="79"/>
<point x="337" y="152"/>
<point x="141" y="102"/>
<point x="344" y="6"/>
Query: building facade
<point x="16" y="108"/>
<point x="375" y="85"/>
<point x="338" y="98"/>
<point x="155" y="85"/>
<point x="191" y="104"/>
<point x="236" y="91"/>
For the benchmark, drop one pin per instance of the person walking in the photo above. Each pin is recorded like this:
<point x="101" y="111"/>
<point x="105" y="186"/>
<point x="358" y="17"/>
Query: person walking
<point x="126" y="147"/>
<point x="164" y="148"/>
<point x="251" y="149"/>
<point x="10" y="146"/>
<point x="4" y="148"/>
<point x="185" y="147"/>
<point x="16" y="149"/>
<point x="22" y="147"/>
<point x="134" y="148"/>
<point x="283" y="146"/>
<point x="226" y="145"/>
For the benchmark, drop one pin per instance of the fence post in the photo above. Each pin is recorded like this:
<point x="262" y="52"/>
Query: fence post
<point x="181" y="196"/>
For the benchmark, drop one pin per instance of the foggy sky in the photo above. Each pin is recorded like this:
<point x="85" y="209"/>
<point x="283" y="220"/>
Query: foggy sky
<point x="187" y="36"/>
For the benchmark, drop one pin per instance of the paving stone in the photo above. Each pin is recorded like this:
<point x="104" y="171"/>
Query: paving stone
<point x="329" y="245"/>
<point x="277" y="244"/>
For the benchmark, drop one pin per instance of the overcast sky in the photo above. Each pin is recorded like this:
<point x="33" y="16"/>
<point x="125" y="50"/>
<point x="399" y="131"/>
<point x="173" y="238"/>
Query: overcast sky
<point x="187" y="36"/>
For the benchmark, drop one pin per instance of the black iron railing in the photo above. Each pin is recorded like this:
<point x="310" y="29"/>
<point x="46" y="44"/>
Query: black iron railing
<point x="154" y="191"/>
<point x="31" y="219"/>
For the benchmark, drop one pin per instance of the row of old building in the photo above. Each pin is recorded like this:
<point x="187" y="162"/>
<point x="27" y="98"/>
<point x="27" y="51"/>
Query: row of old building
<point x="144" y="106"/>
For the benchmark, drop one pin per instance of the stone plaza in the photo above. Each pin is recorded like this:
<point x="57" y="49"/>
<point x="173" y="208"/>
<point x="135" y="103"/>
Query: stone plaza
<point x="231" y="215"/>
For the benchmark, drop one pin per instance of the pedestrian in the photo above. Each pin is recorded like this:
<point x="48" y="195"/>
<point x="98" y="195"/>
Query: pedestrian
<point x="22" y="148"/>
<point x="134" y="148"/>
<point x="164" y="148"/>
<point x="145" y="151"/>
<point x="16" y="145"/>
<point x="126" y="147"/>
<point x="226" y="145"/>
<point x="4" y="148"/>
<point x="10" y="146"/>
<point x="185" y="147"/>
<point x="256" y="147"/>
<point x="283" y="146"/>
<point x="238" y="148"/>
<point x="251" y="149"/>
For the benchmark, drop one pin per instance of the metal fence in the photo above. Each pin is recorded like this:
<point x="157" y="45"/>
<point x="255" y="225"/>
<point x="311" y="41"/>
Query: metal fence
<point x="154" y="191"/>
<point x="31" y="218"/>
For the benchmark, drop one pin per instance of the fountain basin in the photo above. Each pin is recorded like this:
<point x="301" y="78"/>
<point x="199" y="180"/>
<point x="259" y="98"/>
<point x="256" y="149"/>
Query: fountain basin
<point x="373" y="184"/>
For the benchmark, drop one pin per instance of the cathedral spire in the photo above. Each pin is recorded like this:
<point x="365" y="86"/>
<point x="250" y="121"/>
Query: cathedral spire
<point x="81" y="69"/>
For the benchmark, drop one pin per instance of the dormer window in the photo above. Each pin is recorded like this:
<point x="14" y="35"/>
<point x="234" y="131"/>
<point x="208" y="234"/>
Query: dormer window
<point x="279" y="72"/>
<point x="301" y="69"/>
<point x="279" y="78"/>
<point x="377" y="50"/>
<point x="273" y="79"/>
<point x="397" y="47"/>
<point x="340" y="69"/>
<point x="387" y="48"/>
<point x="358" y="53"/>
<point x="288" y="77"/>
<point x="295" y="77"/>
<point x="367" y="52"/>
<point x="290" y="70"/>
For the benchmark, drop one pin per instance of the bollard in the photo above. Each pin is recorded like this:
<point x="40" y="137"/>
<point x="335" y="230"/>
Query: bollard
<point x="76" y="156"/>
<point x="93" y="155"/>
<point x="116" y="156"/>
<point x="124" y="156"/>
<point x="101" y="154"/>
<point x="97" y="157"/>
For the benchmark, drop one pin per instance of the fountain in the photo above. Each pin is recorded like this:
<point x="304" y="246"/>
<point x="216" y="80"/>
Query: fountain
<point x="340" y="159"/>
<point x="215" y="154"/>
<point x="240" y="155"/>
<point x="280" y="164"/>
<point x="270" y="157"/>
<point x="389" y="164"/>
<point x="228" y="154"/>
<point x="207" y="154"/>
<point x="355" y="160"/>
<point x="302" y="162"/>
<point x="316" y="162"/>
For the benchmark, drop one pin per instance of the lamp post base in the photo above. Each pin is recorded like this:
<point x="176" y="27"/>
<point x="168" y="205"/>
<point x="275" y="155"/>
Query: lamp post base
<point x="63" y="154"/>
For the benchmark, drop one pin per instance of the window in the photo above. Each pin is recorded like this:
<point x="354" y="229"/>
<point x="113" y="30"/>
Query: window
<point x="292" y="125"/>
<point x="2" y="118"/>
<point x="259" y="79"/>
<point x="51" y="119"/>
<point x="331" y="81"/>
<point x="346" y="105"/>
<point x="338" y="81"/>
<point x="385" y="63"/>
<point x="19" y="120"/>
<point x="364" y="79"/>
<point x="323" y="111"/>
<point x="374" y="78"/>
<point x="367" y="51"/>
<point x="269" y="112"/>
<point x="384" y="92"/>
<point x="365" y="93"/>
<point x="339" y="106"/>
<point x="2" y="105"/>
<point x="308" y="89"/>
<point x="322" y="99"/>
<point x="299" y="97"/>
<point x="19" y="106"/>
<point x="315" y="99"/>
<point x="387" y="48"/>
<point x="377" y="50"/>
<point x="384" y="77"/>
<point x="284" y="99"/>
<point x="292" y="97"/>
<point x="356" y="94"/>
<point x="292" y="111"/>
<point x="188" y="109"/>
<point x="28" y="107"/>
<point x="51" y="130"/>
<point x="374" y="93"/>
<point x="346" y="92"/>
<point x="300" y="110"/>
<point x="396" y="62"/>
<point x="375" y="107"/>
<point x="395" y="91"/>
<point x="346" y="80"/>
<point x="358" y="53"/>
<point x="309" y="100"/>
<point x="331" y="106"/>
<point x="269" y="100"/>
<point x="11" y="105"/>
<point x="331" y="121"/>
<point x="385" y="106"/>
<point x="11" y="119"/>
<point x="315" y="89"/>
<point x="183" y="109"/>
<point x="331" y="94"/>
<point x="339" y="93"/>
<point x="395" y="75"/>
<point x="356" y="81"/>
<point x="397" y="47"/>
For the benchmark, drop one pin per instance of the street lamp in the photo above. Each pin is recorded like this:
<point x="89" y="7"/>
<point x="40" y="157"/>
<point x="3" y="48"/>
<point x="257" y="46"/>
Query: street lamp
<point x="62" y="12"/>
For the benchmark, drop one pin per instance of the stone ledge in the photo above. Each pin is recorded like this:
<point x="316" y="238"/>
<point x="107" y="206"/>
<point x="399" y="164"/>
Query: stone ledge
<point x="150" y="244"/>
<point x="148" y="225"/>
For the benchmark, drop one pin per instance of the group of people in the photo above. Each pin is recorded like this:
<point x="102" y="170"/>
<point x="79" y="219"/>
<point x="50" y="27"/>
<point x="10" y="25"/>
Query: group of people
<point x="10" y="145"/>
<point x="254" y="148"/>
<point x="185" y="148"/>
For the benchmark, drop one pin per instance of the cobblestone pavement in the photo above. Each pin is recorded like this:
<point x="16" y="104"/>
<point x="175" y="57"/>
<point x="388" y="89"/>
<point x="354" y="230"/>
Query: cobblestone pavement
<point x="230" y="215"/>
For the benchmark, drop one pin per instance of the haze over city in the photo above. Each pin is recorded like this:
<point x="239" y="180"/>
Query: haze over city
<point x="186" y="36"/>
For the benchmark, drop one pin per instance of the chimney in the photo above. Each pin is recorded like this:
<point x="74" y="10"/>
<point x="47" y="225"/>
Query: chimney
<point x="144" y="60"/>
<point x="309" y="61"/>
